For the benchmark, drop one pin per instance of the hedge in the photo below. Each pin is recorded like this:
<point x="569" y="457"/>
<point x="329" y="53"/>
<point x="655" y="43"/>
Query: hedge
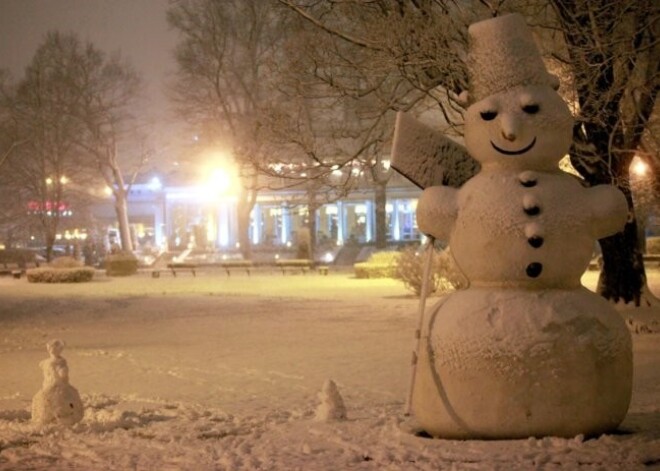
<point x="378" y="265"/>
<point x="60" y="275"/>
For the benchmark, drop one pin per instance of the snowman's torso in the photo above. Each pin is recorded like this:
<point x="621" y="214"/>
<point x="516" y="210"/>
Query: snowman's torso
<point x="522" y="229"/>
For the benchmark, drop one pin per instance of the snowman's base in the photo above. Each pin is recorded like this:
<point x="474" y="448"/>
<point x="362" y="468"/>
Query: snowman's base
<point x="59" y="404"/>
<point x="506" y="363"/>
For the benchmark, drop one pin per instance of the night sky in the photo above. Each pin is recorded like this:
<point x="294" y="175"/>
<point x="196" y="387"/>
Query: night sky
<point x="136" y="28"/>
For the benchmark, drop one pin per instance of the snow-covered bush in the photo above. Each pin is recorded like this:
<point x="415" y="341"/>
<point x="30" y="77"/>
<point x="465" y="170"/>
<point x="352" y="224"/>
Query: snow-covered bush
<point x="378" y="265"/>
<point x="121" y="264"/>
<point x="445" y="276"/>
<point x="60" y="275"/>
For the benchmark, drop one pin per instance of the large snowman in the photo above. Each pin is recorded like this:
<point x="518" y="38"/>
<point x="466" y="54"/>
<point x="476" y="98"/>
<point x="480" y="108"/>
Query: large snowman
<point x="525" y="350"/>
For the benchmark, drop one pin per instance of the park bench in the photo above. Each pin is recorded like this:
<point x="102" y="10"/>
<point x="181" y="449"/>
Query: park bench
<point x="17" y="273"/>
<point x="11" y="269"/>
<point x="228" y="265"/>
<point x="295" y="264"/>
<point x="177" y="267"/>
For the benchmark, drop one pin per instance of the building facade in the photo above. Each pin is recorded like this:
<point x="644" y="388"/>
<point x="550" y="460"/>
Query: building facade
<point x="178" y="217"/>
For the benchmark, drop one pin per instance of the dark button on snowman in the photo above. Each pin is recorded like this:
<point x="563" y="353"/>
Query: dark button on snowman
<point x="525" y="350"/>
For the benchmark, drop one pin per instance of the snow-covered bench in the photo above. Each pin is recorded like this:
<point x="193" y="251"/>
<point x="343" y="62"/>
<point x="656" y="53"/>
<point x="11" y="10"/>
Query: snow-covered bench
<point x="295" y="264"/>
<point x="11" y="269"/>
<point x="228" y="265"/>
<point x="175" y="267"/>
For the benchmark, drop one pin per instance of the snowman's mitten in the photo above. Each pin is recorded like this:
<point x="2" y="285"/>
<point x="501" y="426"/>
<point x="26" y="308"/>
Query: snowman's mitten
<point x="437" y="210"/>
<point x="609" y="210"/>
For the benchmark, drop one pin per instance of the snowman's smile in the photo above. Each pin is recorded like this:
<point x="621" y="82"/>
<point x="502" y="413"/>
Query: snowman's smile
<point x="513" y="152"/>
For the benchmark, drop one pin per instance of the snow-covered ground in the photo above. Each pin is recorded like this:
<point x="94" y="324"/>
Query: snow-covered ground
<point x="217" y="373"/>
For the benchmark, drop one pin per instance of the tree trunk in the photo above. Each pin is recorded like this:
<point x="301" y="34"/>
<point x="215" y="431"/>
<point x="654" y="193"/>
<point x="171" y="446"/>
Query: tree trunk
<point x="50" y="241"/>
<point x="623" y="275"/>
<point x="380" y="203"/>
<point x="121" y="209"/>
<point x="312" y="207"/>
<point x="9" y="239"/>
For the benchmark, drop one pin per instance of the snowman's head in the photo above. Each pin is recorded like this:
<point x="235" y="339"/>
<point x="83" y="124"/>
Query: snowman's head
<point x="55" y="347"/>
<point x="528" y="126"/>
<point x="515" y="118"/>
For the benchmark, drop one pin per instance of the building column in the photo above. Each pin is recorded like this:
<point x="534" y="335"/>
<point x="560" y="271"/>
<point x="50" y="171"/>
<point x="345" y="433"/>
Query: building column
<point x="232" y="222"/>
<point x="255" y="218"/>
<point x="286" y="224"/>
<point x="223" y="224"/>
<point x="159" y="218"/>
<point x="341" y="223"/>
<point x="396" y="229"/>
<point x="370" y="216"/>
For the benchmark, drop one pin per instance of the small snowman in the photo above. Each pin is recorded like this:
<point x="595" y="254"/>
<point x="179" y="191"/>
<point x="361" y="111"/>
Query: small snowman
<point x="331" y="406"/>
<point x="57" y="403"/>
<point x="525" y="350"/>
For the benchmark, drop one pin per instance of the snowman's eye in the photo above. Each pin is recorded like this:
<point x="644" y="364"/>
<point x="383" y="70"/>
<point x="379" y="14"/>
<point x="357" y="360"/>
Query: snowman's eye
<point x="531" y="109"/>
<point x="488" y="115"/>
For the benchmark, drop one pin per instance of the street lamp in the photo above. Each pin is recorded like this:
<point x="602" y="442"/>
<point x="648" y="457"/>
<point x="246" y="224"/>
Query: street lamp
<point x="638" y="167"/>
<point x="220" y="181"/>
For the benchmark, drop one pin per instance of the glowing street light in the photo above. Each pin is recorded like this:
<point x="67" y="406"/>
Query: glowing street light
<point x="155" y="184"/>
<point x="220" y="180"/>
<point x="63" y="180"/>
<point x="638" y="167"/>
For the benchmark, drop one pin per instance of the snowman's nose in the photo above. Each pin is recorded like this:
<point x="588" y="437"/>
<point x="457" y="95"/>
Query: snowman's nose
<point x="509" y="128"/>
<point x="508" y="135"/>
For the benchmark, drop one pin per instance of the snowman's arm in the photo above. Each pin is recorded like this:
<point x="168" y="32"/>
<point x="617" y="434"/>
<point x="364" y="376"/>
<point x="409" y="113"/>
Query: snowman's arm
<point x="427" y="157"/>
<point x="437" y="210"/>
<point x="609" y="210"/>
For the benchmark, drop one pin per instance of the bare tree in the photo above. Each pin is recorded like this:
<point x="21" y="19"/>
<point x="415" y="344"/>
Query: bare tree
<point x="46" y="162"/>
<point x="226" y="57"/>
<point x="613" y="54"/>
<point x="323" y="141"/>
<point x="249" y="81"/>
<point x="69" y="121"/>
<point x="333" y="128"/>
<point x="107" y="93"/>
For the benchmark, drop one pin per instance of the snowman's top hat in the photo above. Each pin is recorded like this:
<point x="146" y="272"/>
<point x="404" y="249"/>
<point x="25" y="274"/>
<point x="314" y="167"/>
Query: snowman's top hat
<point x="502" y="54"/>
